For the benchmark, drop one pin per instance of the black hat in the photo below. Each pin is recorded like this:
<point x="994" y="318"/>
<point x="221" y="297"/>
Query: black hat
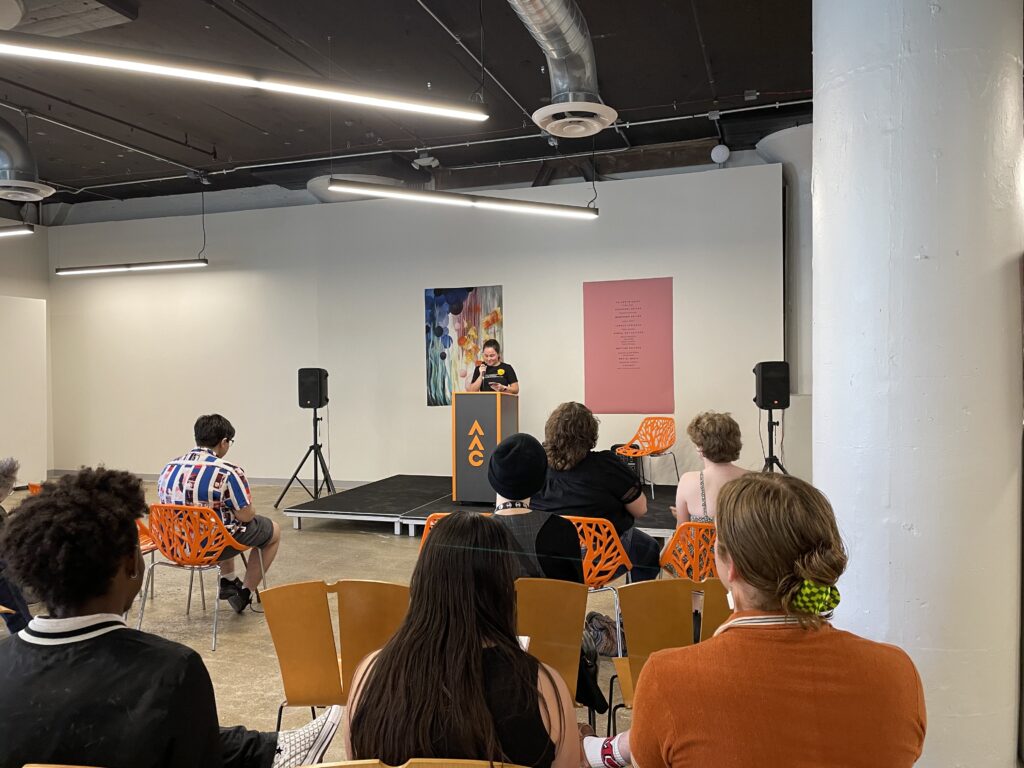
<point x="518" y="467"/>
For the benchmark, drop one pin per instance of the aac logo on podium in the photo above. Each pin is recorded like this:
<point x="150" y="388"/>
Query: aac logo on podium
<point x="475" y="455"/>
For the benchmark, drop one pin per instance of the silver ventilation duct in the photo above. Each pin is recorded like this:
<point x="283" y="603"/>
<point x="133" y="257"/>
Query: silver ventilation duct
<point x="19" y="180"/>
<point x="561" y="32"/>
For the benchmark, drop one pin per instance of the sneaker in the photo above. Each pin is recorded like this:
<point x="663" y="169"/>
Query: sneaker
<point x="229" y="587"/>
<point x="307" y="745"/>
<point x="240" y="600"/>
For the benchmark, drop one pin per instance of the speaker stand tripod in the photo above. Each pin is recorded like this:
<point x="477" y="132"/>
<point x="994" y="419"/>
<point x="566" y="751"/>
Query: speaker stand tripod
<point x="319" y="463"/>
<point x="771" y="461"/>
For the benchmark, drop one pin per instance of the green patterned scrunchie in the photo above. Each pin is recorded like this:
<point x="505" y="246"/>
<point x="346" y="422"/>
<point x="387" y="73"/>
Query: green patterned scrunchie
<point x="815" y="598"/>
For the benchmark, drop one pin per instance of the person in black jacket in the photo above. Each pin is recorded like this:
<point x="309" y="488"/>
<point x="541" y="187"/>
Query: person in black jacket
<point x="80" y="687"/>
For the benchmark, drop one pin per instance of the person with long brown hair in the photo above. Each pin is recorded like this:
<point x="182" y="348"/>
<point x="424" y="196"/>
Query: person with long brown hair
<point x="778" y="685"/>
<point x="454" y="681"/>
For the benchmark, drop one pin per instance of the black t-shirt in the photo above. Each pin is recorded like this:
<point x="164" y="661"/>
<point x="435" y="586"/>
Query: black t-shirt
<point x="599" y="486"/>
<point x="502" y="373"/>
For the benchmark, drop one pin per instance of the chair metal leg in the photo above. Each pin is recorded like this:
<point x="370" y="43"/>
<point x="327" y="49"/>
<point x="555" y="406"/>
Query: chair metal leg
<point x="191" y="577"/>
<point x="280" y="714"/>
<point x="676" y="465"/>
<point x="142" y="604"/>
<point x="202" y="588"/>
<point x="650" y="477"/>
<point x="152" y="582"/>
<point x="216" y="612"/>
<point x="613" y="716"/>
<point x="312" y="711"/>
<point x="618" y="621"/>
<point x="611" y="702"/>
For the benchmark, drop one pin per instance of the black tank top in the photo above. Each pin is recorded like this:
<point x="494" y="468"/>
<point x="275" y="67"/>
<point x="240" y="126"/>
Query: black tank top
<point x="521" y="731"/>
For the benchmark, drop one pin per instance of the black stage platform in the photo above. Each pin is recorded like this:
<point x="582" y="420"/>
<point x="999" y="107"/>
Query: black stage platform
<point x="409" y="499"/>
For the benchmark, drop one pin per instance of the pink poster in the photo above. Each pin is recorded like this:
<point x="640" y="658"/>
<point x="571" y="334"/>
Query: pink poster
<point x="627" y="346"/>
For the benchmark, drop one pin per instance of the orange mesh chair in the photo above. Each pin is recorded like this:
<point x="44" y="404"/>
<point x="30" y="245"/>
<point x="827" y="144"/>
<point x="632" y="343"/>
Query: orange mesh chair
<point x="193" y="538"/>
<point x="148" y="547"/>
<point x="299" y="619"/>
<point x="34" y="488"/>
<point x="603" y="556"/>
<point x="690" y="553"/>
<point x="657" y="615"/>
<point x="654" y="439"/>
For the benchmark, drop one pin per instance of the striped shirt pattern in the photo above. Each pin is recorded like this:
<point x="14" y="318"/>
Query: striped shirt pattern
<point x="200" y="479"/>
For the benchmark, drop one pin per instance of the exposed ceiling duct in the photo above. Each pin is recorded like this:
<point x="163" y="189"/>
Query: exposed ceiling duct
<point x="576" y="109"/>
<point x="60" y="18"/>
<point x="19" y="180"/>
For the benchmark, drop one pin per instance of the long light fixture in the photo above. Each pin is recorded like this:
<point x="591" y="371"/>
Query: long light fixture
<point x="49" y="49"/>
<point x="18" y="229"/>
<point x="463" y="201"/>
<point x="142" y="266"/>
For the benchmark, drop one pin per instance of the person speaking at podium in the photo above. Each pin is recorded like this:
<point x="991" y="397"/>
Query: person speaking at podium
<point x="493" y="374"/>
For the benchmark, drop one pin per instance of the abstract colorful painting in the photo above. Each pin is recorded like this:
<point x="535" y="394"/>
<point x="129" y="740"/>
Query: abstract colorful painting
<point x="458" y="322"/>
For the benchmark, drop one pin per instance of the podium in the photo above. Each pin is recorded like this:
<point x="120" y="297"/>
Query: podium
<point x="480" y="420"/>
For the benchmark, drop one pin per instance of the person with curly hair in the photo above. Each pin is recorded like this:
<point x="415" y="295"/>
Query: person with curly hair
<point x="777" y="685"/>
<point x="716" y="436"/>
<point x="80" y="687"/>
<point x="582" y="482"/>
<point x="11" y="597"/>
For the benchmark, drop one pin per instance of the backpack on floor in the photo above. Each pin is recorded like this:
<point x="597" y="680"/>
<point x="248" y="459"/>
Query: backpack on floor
<point x="601" y="629"/>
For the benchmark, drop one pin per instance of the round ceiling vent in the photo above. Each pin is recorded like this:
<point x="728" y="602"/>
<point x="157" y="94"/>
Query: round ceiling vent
<point x="20" y="191"/>
<point x="574" y="119"/>
<point x="11" y="13"/>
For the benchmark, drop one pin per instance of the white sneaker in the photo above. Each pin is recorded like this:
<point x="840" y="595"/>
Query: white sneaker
<point x="308" y="744"/>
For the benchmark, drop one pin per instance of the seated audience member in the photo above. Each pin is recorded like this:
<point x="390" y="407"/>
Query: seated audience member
<point x="717" y="439"/>
<point x="454" y="682"/>
<point x="202" y="478"/>
<point x="80" y="687"/>
<point x="10" y="595"/>
<point x="582" y="482"/>
<point x="548" y="545"/>
<point x="777" y="684"/>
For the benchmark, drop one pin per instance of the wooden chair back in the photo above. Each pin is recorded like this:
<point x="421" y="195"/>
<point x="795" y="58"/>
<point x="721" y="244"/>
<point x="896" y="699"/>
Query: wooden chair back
<point x="369" y="613"/>
<point x="690" y="553"/>
<point x="603" y="553"/>
<point x="656" y="615"/>
<point x="551" y="613"/>
<point x="299" y="619"/>
<point x="656" y="434"/>
<point x="716" y="607"/>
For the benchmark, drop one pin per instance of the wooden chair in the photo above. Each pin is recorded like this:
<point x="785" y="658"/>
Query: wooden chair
<point x="551" y="613"/>
<point x="299" y="619"/>
<point x="658" y="615"/>
<point x="690" y="553"/>
<point x="5" y="609"/>
<point x="603" y="557"/>
<point x="191" y="538"/>
<point x="654" y="439"/>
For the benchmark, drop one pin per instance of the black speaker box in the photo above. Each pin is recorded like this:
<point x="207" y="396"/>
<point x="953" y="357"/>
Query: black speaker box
<point x="772" y="388"/>
<point x="312" y="388"/>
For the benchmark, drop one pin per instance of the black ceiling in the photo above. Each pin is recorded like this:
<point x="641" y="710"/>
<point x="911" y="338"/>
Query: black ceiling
<point x="656" y="59"/>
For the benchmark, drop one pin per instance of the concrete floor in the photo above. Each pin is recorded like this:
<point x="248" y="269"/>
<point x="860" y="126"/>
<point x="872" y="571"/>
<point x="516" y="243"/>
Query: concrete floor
<point x="244" y="669"/>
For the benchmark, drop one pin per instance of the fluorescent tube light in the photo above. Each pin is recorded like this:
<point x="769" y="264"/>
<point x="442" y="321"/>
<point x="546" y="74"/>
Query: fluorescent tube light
<point x="143" y="266"/>
<point x="18" y="229"/>
<point x="46" y="49"/>
<point x="463" y="201"/>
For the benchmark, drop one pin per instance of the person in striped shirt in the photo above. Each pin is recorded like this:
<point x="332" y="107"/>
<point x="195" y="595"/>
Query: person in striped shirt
<point x="202" y="478"/>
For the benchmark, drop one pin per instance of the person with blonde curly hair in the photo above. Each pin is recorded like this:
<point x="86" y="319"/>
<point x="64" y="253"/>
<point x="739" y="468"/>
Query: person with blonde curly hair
<point x="777" y="685"/>
<point x="717" y="439"/>
<point x="587" y="483"/>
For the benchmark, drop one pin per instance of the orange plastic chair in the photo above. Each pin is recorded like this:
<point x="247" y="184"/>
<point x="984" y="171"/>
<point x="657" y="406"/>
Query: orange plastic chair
<point x="192" y="538"/>
<point x="654" y="438"/>
<point x="148" y="547"/>
<point x="34" y="488"/>
<point x="603" y="556"/>
<point x="434" y="518"/>
<point x="690" y="553"/>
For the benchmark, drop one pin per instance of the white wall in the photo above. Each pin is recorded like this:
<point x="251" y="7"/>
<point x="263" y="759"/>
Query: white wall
<point x="23" y="400"/>
<point x="138" y="357"/>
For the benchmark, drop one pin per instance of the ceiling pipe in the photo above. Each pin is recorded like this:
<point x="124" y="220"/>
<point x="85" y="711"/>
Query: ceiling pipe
<point x="19" y="176"/>
<point x="576" y="109"/>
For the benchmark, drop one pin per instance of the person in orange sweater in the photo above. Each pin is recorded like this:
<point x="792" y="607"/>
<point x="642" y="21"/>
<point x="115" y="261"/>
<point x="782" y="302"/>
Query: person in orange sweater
<point x="777" y="685"/>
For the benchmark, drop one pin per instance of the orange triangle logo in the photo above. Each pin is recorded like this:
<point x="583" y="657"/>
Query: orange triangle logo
<point x="476" y="429"/>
